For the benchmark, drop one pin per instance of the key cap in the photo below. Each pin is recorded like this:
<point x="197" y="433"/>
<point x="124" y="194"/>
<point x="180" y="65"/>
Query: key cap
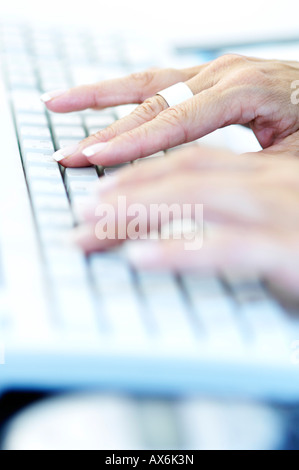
<point x="36" y="145"/>
<point x="79" y="188"/>
<point x="66" y="120"/>
<point x="35" y="132"/>
<point x="31" y="119"/>
<point x="38" y="159"/>
<point x="62" y="143"/>
<point x="203" y="286"/>
<point x="117" y="296"/>
<point x="124" y="109"/>
<point x="29" y="102"/>
<point x="51" y="203"/>
<point x="62" y="219"/>
<point x="214" y="310"/>
<point x="42" y="187"/>
<point x="52" y="237"/>
<point x="44" y="172"/>
<point x="245" y="289"/>
<point x="99" y="121"/>
<point x="166" y="307"/>
<point x="20" y="82"/>
<point x="69" y="132"/>
<point x="73" y="177"/>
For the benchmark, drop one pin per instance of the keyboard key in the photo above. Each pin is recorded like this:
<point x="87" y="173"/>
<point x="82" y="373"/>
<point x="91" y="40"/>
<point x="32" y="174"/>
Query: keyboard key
<point x="118" y="297"/>
<point x="267" y="324"/>
<point x="166" y="307"/>
<point x="245" y="289"/>
<point x="44" y="172"/>
<point x="78" y="174"/>
<point x="29" y="102"/>
<point x="34" y="132"/>
<point x="99" y="121"/>
<point x="54" y="220"/>
<point x="36" y="145"/>
<point x="69" y="132"/>
<point x="32" y="119"/>
<point x="51" y="237"/>
<point x="53" y="203"/>
<point x="80" y="187"/>
<point x="65" y="120"/>
<point x="77" y="178"/>
<point x="19" y="82"/>
<point x="38" y="159"/>
<point x="215" y="311"/>
<point x="41" y="187"/>
<point x="62" y="142"/>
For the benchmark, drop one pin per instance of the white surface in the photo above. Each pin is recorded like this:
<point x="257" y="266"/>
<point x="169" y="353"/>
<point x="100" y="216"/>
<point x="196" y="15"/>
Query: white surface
<point x="203" y="21"/>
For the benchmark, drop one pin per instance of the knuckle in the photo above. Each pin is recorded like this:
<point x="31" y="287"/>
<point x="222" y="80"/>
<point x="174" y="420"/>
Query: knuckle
<point x="105" y="134"/>
<point x="229" y="59"/>
<point x="149" y="108"/>
<point x="174" y="117"/>
<point x="144" y="78"/>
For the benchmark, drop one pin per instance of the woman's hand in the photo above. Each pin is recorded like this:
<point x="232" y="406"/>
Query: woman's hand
<point x="253" y="199"/>
<point x="229" y="90"/>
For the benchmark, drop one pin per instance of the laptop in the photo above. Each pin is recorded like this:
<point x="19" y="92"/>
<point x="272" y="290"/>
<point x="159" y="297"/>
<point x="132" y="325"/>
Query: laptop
<point x="73" y="322"/>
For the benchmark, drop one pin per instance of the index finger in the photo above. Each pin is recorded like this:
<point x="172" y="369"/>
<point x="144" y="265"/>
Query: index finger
<point x="133" y="88"/>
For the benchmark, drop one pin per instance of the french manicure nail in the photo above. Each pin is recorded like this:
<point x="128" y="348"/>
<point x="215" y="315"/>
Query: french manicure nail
<point x="93" y="149"/>
<point x="51" y="95"/>
<point x="65" y="152"/>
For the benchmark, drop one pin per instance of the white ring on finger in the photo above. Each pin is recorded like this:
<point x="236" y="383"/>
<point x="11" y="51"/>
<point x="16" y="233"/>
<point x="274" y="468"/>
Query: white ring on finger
<point x="176" y="94"/>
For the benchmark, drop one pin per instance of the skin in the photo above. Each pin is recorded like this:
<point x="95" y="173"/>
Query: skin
<point x="232" y="89"/>
<point x="252" y="199"/>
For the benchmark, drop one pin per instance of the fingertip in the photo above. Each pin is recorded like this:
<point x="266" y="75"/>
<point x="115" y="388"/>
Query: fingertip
<point x="51" y="96"/>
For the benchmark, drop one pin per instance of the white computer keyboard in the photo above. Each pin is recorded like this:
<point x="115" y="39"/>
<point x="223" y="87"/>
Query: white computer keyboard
<point x="218" y="328"/>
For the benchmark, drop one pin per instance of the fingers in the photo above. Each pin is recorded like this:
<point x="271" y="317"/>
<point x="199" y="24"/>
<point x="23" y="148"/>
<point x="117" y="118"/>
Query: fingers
<point x="133" y="88"/>
<point x="194" y="157"/>
<point x="232" y="248"/>
<point x="224" y="199"/>
<point x="186" y="122"/>
<point x="145" y="112"/>
<point x="267" y="254"/>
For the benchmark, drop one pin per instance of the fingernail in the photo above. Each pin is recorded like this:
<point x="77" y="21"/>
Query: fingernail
<point x="142" y="253"/>
<point x="93" y="149"/>
<point x="50" y="95"/>
<point x="65" y="152"/>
